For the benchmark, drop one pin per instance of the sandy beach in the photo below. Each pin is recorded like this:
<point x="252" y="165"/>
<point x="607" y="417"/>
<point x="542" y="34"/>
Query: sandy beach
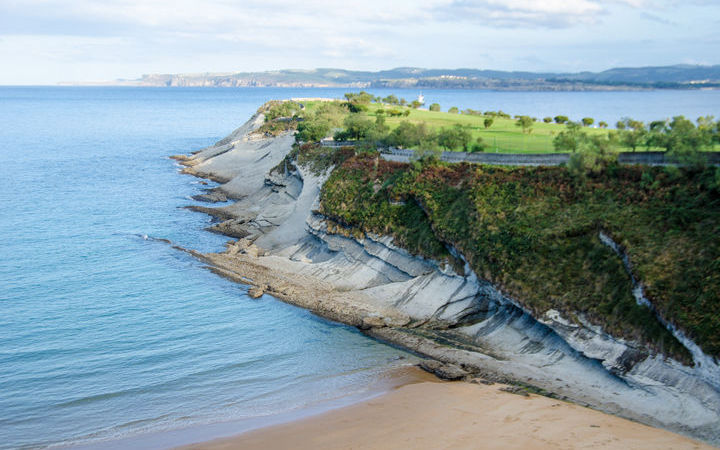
<point x="428" y="413"/>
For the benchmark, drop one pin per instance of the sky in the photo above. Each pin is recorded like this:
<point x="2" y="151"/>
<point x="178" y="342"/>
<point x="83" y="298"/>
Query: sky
<point x="50" y="41"/>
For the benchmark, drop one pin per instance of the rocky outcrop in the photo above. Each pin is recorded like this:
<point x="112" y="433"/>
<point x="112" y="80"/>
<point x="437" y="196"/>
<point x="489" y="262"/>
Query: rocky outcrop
<point x="288" y="250"/>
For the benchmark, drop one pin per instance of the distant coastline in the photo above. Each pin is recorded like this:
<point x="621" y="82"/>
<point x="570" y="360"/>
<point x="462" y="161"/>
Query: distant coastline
<point x="618" y="79"/>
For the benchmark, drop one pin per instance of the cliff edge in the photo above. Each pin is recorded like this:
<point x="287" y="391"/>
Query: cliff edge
<point x="287" y="247"/>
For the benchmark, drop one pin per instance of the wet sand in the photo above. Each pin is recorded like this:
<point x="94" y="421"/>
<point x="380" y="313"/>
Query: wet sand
<point x="431" y="414"/>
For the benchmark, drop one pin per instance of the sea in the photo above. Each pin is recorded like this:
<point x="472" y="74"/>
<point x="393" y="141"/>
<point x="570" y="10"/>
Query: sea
<point x="112" y="338"/>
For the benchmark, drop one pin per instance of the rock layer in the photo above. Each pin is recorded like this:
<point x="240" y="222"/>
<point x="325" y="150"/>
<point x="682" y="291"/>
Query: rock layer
<point x="288" y="250"/>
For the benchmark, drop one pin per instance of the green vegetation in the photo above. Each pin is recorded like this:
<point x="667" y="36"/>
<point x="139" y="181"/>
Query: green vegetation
<point x="280" y="116"/>
<point x="534" y="233"/>
<point x="364" y="117"/>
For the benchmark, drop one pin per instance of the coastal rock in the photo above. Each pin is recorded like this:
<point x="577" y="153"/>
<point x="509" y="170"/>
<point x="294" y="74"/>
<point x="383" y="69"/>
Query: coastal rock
<point x="443" y="370"/>
<point x="256" y="292"/>
<point x="211" y="196"/>
<point x="467" y="325"/>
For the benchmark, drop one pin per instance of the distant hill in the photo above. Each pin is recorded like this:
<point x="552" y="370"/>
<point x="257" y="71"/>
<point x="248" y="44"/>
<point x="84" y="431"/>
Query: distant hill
<point x="666" y="77"/>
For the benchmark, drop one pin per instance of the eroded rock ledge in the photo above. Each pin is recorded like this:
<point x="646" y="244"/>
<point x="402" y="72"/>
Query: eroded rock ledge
<point x="286" y="249"/>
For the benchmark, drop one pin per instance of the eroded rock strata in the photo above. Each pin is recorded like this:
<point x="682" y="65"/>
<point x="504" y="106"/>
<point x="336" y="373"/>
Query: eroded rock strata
<point x="287" y="249"/>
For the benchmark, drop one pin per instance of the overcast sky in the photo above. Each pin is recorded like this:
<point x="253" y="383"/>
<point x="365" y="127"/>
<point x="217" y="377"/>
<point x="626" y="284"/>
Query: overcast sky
<point x="47" y="41"/>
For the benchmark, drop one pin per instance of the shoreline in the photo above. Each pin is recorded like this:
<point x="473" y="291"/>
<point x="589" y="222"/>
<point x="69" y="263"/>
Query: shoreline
<point x="457" y="415"/>
<point x="195" y="434"/>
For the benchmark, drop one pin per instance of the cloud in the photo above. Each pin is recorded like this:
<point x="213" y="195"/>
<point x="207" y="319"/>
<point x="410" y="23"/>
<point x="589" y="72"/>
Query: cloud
<point x="142" y="36"/>
<point x="523" y="13"/>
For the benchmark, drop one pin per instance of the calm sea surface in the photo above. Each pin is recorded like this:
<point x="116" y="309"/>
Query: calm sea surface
<point x="106" y="333"/>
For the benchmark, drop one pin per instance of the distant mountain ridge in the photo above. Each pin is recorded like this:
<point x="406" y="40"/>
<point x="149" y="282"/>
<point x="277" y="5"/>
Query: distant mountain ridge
<point x="669" y="77"/>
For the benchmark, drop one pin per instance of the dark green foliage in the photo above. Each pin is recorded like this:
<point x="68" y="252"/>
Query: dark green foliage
<point x="318" y="125"/>
<point x="319" y="159"/>
<point x="479" y="145"/>
<point x="360" y="195"/>
<point x="277" y="126"/>
<point x="456" y="137"/>
<point x="487" y="123"/>
<point x="409" y="135"/>
<point x="595" y="154"/>
<point x="534" y="233"/>
<point x="587" y="121"/>
<point x="571" y="139"/>
<point x="312" y="131"/>
<point x="547" y="119"/>
<point x="632" y="133"/>
<point x="280" y="116"/>
<point x="279" y="109"/>
<point x="435" y="107"/>
<point x="454" y="110"/>
<point x="356" y="127"/>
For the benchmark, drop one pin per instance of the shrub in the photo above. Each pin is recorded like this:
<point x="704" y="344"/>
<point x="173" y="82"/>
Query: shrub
<point x="456" y="137"/>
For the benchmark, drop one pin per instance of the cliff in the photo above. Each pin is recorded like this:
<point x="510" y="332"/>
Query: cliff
<point x="291" y="246"/>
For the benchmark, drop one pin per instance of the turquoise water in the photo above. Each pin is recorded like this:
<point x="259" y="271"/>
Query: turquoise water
<point x="106" y="333"/>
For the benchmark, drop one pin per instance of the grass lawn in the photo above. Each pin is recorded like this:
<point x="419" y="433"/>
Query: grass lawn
<point x="504" y="136"/>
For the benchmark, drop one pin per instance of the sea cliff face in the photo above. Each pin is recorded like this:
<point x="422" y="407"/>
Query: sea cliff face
<point x="287" y="248"/>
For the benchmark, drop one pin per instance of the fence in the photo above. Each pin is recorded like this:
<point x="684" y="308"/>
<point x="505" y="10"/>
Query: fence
<point x="530" y="159"/>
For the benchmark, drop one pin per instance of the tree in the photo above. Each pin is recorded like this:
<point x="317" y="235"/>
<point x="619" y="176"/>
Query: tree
<point x="561" y="119"/>
<point x="408" y="135"/>
<point x="709" y="128"/>
<point x="391" y="100"/>
<point x="632" y="133"/>
<point x="594" y="155"/>
<point x="361" y="98"/>
<point x="488" y="122"/>
<point x="587" y="121"/>
<point x="454" y="110"/>
<point x="380" y="130"/>
<point x="415" y="104"/>
<point x="656" y="134"/>
<point x="547" y="119"/>
<point x="356" y="127"/>
<point x="317" y="125"/>
<point x="602" y="124"/>
<point x="312" y="130"/>
<point x="570" y="139"/>
<point x="455" y="137"/>
<point x="685" y="141"/>
<point x="406" y="113"/>
<point x="525" y="122"/>
<point x="435" y="107"/>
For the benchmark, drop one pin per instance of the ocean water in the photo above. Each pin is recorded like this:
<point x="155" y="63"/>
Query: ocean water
<point x="107" y="333"/>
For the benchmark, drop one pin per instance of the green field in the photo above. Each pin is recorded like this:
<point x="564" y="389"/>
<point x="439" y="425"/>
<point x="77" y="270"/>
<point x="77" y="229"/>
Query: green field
<point x="503" y="136"/>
